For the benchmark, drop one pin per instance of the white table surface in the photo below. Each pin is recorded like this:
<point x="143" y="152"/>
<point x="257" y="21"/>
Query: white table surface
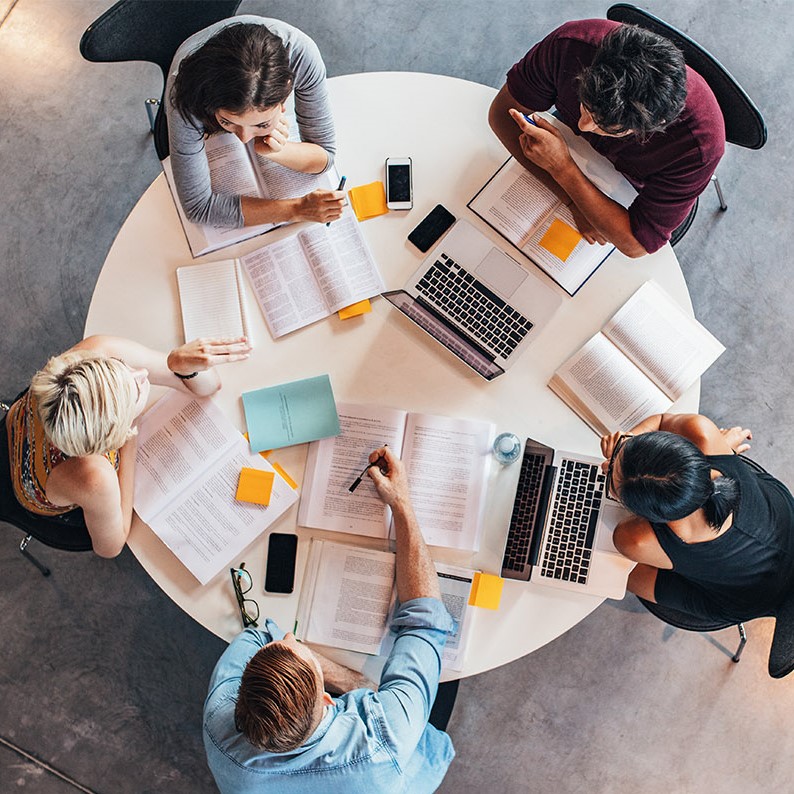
<point x="441" y="122"/>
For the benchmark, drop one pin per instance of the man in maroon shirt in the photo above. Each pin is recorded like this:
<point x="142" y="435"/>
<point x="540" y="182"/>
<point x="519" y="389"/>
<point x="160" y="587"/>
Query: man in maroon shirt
<point x="630" y="95"/>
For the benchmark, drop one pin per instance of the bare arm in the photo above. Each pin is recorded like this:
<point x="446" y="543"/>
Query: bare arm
<point x="337" y="677"/>
<point x="416" y="574"/>
<point x="320" y="206"/>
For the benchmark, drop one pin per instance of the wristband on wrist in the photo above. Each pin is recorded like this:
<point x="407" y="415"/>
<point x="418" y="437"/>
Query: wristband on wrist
<point x="186" y="377"/>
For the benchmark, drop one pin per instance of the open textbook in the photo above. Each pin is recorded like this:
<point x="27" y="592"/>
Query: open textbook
<point x="313" y="273"/>
<point x="237" y="170"/>
<point x="186" y="472"/>
<point x="348" y="597"/>
<point x="447" y="461"/>
<point x="529" y="215"/>
<point x="212" y="299"/>
<point x="643" y="359"/>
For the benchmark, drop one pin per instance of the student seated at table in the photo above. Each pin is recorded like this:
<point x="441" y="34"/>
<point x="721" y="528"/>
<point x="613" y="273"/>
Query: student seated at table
<point x="235" y="76"/>
<point x="628" y="92"/>
<point x="713" y="534"/>
<point x="270" y="723"/>
<point x="72" y="435"/>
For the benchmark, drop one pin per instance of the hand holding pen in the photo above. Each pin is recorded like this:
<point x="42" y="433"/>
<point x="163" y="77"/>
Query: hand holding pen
<point x="379" y="461"/>
<point x="341" y="187"/>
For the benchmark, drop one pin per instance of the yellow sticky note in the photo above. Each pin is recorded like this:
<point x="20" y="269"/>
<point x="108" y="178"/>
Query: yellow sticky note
<point x="255" y="486"/>
<point x="486" y="590"/>
<point x="355" y="309"/>
<point x="560" y="239"/>
<point x="292" y="484"/>
<point x="368" y="201"/>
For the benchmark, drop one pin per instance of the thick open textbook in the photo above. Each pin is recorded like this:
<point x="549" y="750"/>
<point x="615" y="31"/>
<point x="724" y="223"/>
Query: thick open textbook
<point x="348" y="597"/>
<point x="643" y="359"/>
<point x="186" y="472"/>
<point x="237" y="170"/>
<point x="212" y="299"/>
<point x="312" y="274"/>
<point x="447" y="461"/>
<point x="529" y="215"/>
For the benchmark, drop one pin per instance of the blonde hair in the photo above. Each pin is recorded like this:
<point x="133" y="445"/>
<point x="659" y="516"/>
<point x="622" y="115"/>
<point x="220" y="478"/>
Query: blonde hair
<point x="85" y="402"/>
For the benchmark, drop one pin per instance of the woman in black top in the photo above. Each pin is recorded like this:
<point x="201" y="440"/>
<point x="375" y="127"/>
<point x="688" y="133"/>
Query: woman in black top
<point x="713" y="535"/>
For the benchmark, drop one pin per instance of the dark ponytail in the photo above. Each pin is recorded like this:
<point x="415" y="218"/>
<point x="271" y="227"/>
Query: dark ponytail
<point x="665" y="477"/>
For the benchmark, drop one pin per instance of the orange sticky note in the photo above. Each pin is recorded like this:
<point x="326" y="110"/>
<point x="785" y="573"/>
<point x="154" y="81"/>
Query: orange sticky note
<point x="560" y="239"/>
<point x="355" y="309"/>
<point x="292" y="484"/>
<point x="255" y="486"/>
<point x="368" y="201"/>
<point x="486" y="590"/>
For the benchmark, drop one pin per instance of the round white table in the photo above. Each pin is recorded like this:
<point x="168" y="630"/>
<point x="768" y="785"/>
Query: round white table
<point x="441" y="122"/>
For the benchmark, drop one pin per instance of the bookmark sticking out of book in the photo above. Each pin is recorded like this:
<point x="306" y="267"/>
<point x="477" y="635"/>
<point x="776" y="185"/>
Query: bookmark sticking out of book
<point x="368" y="201"/>
<point x="486" y="590"/>
<point x="255" y="486"/>
<point x="560" y="239"/>
<point x="355" y="309"/>
<point x="292" y="413"/>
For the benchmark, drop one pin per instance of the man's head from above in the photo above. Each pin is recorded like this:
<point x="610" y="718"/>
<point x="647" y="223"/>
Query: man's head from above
<point x="636" y="84"/>
<point x="281" y="698"/>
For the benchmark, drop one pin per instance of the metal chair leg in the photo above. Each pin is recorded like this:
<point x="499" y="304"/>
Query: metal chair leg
<point x="723" y="205"/>
<point x="151" y="110"/>
<point x="23" y="547"/>
<point x="742" y="642"/>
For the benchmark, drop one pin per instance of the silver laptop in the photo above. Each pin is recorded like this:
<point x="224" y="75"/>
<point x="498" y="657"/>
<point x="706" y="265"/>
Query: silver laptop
<point x="477" y="301"/>
<point x="560" y="531"/>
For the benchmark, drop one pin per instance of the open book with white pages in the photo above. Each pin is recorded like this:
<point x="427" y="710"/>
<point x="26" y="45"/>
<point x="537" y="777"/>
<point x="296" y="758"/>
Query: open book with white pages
<point x="348" y="597"/>
<point x="189" y="461"/>
<point x="642" y="361"/>
<point x="447" y="462"/>
<point x="237" y="170"/>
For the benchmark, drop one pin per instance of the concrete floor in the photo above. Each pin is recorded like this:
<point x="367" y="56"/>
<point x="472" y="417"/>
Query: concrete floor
<point x="103" y="678"/>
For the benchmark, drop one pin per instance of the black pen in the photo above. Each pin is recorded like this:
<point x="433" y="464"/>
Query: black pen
<point x="341" y="187"/>
<point x="360" y="477"/>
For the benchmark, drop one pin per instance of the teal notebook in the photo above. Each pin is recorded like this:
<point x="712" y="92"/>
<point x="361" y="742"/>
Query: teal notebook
<point x="292" y="413"/>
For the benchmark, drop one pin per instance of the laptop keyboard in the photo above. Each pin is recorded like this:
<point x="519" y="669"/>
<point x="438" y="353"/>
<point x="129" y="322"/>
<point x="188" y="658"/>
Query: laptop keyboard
<point x="525" y="508"/>
<point x="574" y="517"/>
<point x="473" y="307"/>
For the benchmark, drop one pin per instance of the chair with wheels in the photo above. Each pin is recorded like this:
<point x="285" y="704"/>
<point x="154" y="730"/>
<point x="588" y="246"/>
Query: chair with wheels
<point x="151" y="30"/>
<point x="744" y="124"/>
<point x="67" y="533"/>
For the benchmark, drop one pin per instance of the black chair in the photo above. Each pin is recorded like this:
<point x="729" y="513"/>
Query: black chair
<point x="67" y="532"/>
<point x="744" y="124"/>
<point x="683" y="620"/>
<point x="151" y="30"/>
<point x="781" y="655"/>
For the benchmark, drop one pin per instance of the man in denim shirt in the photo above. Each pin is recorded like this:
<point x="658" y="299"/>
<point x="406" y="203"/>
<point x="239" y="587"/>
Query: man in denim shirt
<point x="270" y="726"/>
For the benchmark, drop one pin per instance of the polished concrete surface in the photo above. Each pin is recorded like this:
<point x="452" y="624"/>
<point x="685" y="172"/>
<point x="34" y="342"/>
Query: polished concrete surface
<point x="102" y="678"/>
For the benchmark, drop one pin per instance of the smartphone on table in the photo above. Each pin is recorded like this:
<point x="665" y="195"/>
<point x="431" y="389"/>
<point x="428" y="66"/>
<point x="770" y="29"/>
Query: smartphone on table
<point x="280" y="568"/>
<point x="429" y="231"/>
<point x="399" y="183"/>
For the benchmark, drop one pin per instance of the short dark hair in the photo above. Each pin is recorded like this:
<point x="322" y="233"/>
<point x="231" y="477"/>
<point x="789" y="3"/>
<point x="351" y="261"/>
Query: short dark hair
<point x="637" y="82"/>
<point x="665" y="477"/>
<point x="241" y="67"/>
<point x="277" y="699"/>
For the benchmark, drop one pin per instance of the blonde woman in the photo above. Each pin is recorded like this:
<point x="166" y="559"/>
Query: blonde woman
<point x="72" y="435"/>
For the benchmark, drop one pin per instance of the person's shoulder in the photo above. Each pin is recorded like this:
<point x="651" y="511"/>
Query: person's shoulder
<point x="585" y="31"/>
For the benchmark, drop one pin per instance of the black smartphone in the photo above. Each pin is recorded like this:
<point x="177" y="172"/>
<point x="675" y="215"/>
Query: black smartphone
<point x="429" y="231"/>
<point x="280" y="570"/>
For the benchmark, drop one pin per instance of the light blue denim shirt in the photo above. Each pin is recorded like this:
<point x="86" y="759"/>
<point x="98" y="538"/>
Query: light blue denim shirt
<point x="368" y="742"/>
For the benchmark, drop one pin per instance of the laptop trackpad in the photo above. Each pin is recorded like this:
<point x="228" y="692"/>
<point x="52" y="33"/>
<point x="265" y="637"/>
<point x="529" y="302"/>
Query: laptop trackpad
<point x="501" y="273"/>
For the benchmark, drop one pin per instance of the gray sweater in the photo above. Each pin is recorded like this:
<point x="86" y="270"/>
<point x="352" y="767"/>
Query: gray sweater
<point x="188" y="159"/>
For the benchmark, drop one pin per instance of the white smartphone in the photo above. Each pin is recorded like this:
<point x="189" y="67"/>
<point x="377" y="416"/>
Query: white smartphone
<point x="399" y="183"/>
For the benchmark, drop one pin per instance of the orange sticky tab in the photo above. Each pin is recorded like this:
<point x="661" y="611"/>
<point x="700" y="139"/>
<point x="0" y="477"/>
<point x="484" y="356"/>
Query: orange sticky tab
<point x="368" y="201"/>
<point x="560" y="239"/>
<point x="255" y="486"/>
<point x="265" y="453"/>
<point x="486" y="590"/>
<point x="355" y="309"/>
<point x="292" y="484"/>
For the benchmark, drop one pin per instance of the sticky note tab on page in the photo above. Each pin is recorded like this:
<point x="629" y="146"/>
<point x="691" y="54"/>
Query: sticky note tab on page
<point x="486" y="590"/>
<point x="255" y="486"/>
<point x="355" y="309"/>
<point x="560" y="239"/>
<point x="368" y="201"/>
